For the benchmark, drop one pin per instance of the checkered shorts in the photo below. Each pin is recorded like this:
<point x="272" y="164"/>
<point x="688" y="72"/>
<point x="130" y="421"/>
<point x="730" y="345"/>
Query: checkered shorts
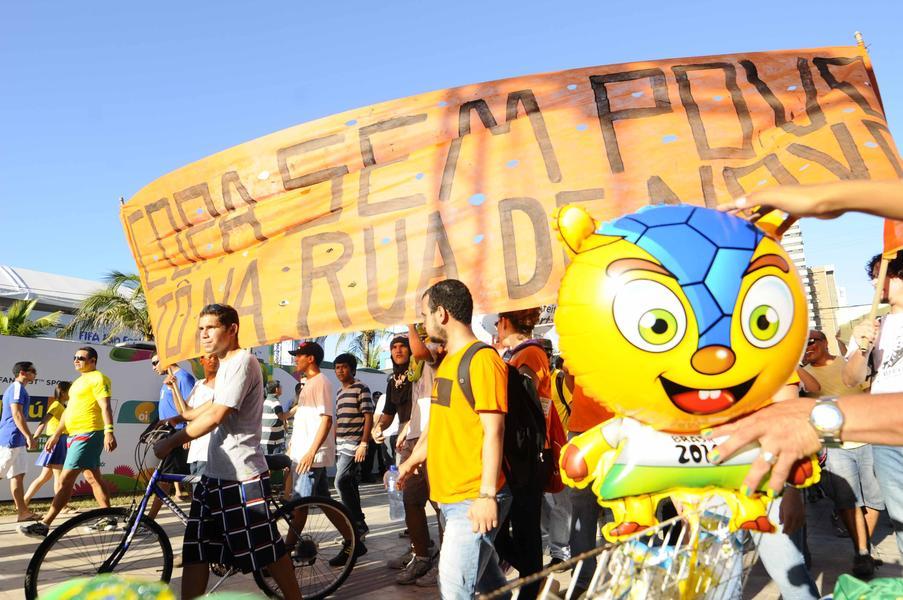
<point x="230" y="523"/>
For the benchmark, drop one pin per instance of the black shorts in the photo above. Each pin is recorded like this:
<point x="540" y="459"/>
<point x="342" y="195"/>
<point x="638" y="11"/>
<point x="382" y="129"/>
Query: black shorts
<point x="176" y="462"/>
<point x="230" y="523"/>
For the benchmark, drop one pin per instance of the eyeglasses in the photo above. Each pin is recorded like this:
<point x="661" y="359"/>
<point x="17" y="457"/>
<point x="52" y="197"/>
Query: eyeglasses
<point x="813" y="340"/>
<point x="155" y="362"/>
<point x="80" y="358"/>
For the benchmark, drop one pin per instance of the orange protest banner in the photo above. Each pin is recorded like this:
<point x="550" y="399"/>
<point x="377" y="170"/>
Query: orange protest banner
<point x="341" y="223"/>
<point x="893" y="237"/>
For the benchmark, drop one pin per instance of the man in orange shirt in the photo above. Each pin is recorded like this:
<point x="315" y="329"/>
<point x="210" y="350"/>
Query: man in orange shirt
<point x="463" y="446"/>
<point x="586" y="413"/>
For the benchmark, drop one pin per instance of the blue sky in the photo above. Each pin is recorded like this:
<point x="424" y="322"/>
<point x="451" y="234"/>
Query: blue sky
<point x="101" y="98"/>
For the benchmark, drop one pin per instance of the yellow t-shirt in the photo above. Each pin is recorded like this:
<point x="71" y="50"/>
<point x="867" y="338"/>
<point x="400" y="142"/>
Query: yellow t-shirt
<point x="830" y="379"/>
<point x="455" y="448"/>
<point x="55" y="410"/>
<point x="83" y="411"/>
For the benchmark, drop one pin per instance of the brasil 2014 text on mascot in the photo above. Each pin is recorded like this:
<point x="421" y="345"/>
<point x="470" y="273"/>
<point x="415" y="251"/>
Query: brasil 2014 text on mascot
<point x="677" y="319"/>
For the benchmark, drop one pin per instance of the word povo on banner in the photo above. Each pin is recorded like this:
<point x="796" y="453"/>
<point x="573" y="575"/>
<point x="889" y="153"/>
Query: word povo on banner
<point x="341" y="223"/>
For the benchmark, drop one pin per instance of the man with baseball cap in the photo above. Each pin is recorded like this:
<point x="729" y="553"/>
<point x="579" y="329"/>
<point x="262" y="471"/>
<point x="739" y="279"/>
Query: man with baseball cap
<point x="312" y="445"/>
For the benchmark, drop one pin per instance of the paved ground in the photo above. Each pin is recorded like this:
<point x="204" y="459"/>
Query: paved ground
<point x="831" y="556"/>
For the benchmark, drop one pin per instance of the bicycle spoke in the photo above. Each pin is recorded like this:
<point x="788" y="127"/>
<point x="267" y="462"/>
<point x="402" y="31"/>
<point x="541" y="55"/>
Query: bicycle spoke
<point x="325" y="528"/>
<point x="82" y="547"/>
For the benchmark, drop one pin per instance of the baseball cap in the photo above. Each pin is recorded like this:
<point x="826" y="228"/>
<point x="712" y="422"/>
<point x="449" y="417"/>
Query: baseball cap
<point x="309" y="349"/>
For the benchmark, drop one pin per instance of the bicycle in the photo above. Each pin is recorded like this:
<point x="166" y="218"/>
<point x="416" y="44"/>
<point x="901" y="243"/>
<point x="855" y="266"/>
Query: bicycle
<point x="125" y="541"/>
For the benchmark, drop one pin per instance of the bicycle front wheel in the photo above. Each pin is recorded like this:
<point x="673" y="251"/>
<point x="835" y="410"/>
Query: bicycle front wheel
<point x="325" y="550"/>
<point x="80" y="546"/>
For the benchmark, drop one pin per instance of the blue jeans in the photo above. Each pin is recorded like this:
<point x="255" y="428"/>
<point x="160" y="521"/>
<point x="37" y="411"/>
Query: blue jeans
<point x="346" y="486"/>
<point x="312" y="483"/>
<point x="556" y="523"/>
<point x="782" y="557"/>
<point x="889" y="471"/>
<point x="468" y="562"/>
<point x="585" y="513"/>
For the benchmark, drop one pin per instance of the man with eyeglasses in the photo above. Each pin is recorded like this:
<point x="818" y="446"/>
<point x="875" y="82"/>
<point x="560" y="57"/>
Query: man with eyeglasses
<point x="15" y="436"/>
<point x="88" y="419"/>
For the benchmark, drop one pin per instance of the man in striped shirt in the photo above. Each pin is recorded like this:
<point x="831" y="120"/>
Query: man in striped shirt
<point x="272" y="430"/>
<point x="354" y="419"/>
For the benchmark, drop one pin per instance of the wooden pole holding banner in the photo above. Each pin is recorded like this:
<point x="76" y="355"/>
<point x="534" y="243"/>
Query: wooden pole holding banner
<point x="860" y="42"/>
<point x="882" y="270"/>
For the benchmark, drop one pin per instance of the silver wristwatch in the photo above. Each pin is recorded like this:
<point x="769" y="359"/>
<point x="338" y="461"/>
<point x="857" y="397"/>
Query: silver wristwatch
<point x="827" y="420"/>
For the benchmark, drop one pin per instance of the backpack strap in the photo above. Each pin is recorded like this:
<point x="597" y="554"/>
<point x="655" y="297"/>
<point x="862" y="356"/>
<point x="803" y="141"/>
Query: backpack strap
<point x="524" y="369"/>
<point x="559" y="385"/>
<point x="464" y="372"/>
<point x="527" y="344"/>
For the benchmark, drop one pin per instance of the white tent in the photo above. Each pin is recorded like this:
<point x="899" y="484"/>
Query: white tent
<point x="53" y="292"/>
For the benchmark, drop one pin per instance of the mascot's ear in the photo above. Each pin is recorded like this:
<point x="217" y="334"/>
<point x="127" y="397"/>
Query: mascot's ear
<point x="576" y="229"/>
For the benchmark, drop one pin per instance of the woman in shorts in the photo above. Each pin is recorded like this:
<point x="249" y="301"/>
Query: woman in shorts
<point x="51" y="463"/>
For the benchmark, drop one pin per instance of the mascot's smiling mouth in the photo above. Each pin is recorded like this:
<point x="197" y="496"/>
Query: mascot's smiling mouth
<point x="704" y="402"/>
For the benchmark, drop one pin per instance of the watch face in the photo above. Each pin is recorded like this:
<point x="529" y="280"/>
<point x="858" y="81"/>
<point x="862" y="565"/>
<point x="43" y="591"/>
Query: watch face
<point x="827" y="417"/>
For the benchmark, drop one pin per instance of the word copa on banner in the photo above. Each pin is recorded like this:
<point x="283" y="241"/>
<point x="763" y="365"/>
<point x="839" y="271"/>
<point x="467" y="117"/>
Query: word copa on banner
<point x="340" y="224"/>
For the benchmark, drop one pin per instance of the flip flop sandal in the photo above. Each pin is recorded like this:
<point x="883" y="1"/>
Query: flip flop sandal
<point x="31" y="517"/>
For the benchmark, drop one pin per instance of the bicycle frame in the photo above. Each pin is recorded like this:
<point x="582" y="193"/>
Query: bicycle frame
<point x="153" y="488"/>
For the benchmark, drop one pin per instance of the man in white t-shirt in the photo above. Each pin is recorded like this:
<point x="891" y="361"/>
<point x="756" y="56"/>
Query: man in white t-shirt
<point x="876" y="348"/>
<point x="312" y="445"/>
<point x="201" y="395"/>
<point x="230" y="521"/>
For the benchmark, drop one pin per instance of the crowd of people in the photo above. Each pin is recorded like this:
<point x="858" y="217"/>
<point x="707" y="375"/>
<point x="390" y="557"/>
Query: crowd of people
<point x="78" y="424"/>
<point x="452" y="399"/>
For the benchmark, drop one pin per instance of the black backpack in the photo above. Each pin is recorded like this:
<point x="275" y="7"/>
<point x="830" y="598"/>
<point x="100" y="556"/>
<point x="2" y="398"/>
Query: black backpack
<point x="525" y="425"/>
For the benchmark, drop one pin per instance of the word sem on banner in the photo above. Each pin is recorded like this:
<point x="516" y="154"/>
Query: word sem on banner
<point x="341" y="223"/>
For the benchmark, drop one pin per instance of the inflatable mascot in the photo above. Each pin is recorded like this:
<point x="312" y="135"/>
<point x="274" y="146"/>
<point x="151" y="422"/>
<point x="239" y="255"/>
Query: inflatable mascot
<point x="676" y="319"/>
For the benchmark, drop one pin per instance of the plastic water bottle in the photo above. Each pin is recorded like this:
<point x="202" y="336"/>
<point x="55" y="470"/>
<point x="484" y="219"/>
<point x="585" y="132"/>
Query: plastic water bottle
<point x="396" y="497"/>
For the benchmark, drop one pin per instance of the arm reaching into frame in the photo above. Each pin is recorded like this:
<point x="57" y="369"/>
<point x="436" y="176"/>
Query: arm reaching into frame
<point x="824" y="201"/>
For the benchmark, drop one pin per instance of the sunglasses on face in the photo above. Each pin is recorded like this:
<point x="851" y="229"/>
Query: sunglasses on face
<point x="80" y="358"/>
<point x="813" y="340"/>
<point x="155" y="362"/>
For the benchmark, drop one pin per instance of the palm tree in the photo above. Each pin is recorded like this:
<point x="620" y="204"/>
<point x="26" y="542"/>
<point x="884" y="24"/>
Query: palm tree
<point x="366" y="345"/>
<point x="120" y="307"/>
<point x="16" y="321"/>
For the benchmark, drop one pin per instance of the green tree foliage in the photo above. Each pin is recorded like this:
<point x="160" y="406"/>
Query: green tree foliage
<point x="16" y="320"/>
<point x="120" y="307"/>
<point x="366" y="345"/>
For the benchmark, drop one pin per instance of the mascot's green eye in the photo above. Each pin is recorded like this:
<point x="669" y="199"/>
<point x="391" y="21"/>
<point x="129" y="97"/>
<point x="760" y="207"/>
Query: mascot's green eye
<point x="764" y="323"/>
<point x="649" y="315"/>
<point x="767" y="312"/>
<point x="658" y="326"/>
